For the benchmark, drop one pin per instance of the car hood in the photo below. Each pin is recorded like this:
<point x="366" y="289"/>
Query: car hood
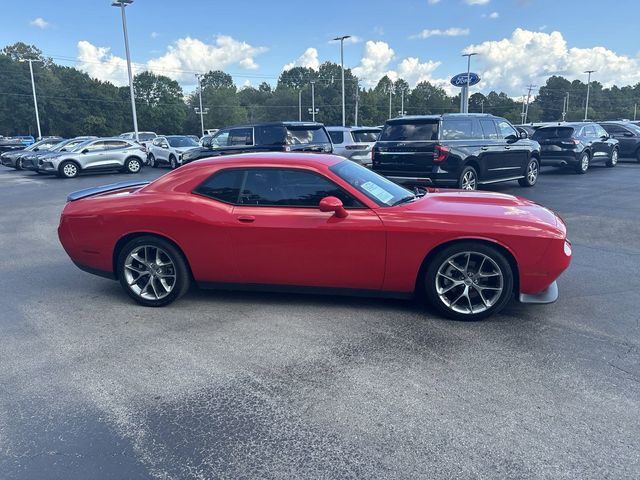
<point x="485" y="207"/>
<point x="183" y="149"/>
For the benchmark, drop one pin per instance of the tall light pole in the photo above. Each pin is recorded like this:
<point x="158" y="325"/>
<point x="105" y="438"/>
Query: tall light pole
<point x="586" y="105"/>
<point x="466" y="92"/>
<point x="202" y="112"/>
<point x="355" y="120"/>
<point x="390" y="93"/>
<point x="342" y="39"/>
<point x="122" y="4"/>
<point x="300" y="105"/>
<point x="313" y="110"/>
<point x="33" y="89"/>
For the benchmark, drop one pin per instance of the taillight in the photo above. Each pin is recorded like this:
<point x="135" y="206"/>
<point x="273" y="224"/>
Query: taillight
<point x="373" y="155"/>
<point x="571" y="141"/>
<point x="441" y="153"/>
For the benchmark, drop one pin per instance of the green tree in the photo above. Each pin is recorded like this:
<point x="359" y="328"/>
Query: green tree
<point x="159" y="103"/>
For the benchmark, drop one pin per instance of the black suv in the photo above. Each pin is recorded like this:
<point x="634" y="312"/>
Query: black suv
<point x="577" y="145"/>
<point x="263" y="137"/>
<point x="455" y="150"/>
<point x="628" y="136"/>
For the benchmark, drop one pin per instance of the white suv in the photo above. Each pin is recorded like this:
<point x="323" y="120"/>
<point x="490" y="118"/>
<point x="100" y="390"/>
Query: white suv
<point x="354" y="143"/>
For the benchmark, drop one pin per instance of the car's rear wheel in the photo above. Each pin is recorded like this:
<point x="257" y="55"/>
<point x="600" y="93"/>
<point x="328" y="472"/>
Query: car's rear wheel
<point x="173" y="162"/>
<point x="613" y="161"/>
<point x="583" y="164"/>
<point x="132" y="165"/>
<point x="468" y="179"/>
<point x="68" y="169"/>
<point x="152" y="271"/>
<point x="152" y="161"/>
<point x="531" y="173"/>
<point x="469" y="281"/>
<point x="638" y="156"/>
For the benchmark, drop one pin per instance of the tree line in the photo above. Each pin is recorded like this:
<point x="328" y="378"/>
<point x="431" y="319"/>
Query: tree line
<point x="72" y="103"/>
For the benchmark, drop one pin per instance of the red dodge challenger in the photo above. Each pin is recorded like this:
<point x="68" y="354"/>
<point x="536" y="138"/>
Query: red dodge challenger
<point x="315" y="223"/>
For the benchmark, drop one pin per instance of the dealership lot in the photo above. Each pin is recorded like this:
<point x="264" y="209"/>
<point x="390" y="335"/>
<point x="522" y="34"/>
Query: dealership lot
<point x="239" y="385"/>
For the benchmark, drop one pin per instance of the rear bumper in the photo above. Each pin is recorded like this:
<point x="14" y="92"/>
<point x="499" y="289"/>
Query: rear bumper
<point x="559" y="159"/>
<point x="549" y="295"/>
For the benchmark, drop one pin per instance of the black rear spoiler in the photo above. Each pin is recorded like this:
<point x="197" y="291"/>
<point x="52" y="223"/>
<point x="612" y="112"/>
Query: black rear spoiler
<point x="88" y="192"/>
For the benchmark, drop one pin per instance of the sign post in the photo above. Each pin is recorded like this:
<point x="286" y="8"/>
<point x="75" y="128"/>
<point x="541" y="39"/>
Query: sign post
<point x="464" y="81"/>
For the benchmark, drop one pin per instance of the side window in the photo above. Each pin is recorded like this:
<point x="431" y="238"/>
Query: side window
<point x="337" y="137"/>
<point x="206" y="142"/>
<point x="96" y="146"/>
<point x="114" y="144"/>
<point x="458" y="129"/>
<point x="241" y="137"/>
<point x="600" y="132"/>
<point x="270" y="135"/>
<point x="506" y="129"/>
<point x="589" y="131"/>
<point x="221" y="139"/>
<point x="290" y="188"/>
<point x="488" y="129"/>
<point x="223" y="186"/>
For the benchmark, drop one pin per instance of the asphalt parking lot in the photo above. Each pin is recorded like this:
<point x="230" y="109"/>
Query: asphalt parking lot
<point x="239" y="385"/>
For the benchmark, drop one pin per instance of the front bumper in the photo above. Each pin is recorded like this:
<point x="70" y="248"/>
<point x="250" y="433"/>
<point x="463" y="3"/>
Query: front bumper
<point x="549" y="295"/>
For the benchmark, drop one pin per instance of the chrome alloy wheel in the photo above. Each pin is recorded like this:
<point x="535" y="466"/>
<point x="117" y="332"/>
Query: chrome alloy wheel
<point x="70" y="170"/>
<point x="584" y="162"/>
<point x="469" y="282"/>
<point x="469" y="181"/>
<point x="150" y="272"/>
<point x="532" y="172"/>
<point x="614" y="157"/>
<point x="134" y="166"/>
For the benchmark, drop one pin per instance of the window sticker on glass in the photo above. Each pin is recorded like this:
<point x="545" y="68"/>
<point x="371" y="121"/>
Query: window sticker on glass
<point x="378" y="192"/>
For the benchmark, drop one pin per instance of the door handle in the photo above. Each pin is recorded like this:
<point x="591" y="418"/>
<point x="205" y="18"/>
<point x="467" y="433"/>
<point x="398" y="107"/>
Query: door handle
<point x="484" y="148"/>
<point x="246" y="218"/>
<point x="507" y="147"/>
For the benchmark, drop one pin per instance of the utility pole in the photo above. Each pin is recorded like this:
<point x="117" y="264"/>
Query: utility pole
<point x="342" y="39"/>
<point x="33" y="89"/>
<point x="313" y="110"/>
<point x="390" y="93"/>
<point x="201" y="111"/>
<point x="522" y="113"/>
<point x="526" y="112"/>
<point x="465" y="93"/>
<point x="635" y="109"/>
<point x="357" y="101"/>
<point x="122" y="4"/>
<point x="481" y="106"/>
<point x="300" y="105"/>
<point x="586" y="105"/>
<point x="402" y="112"/>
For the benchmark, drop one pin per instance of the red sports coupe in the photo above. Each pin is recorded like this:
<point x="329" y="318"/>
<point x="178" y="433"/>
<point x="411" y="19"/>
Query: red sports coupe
<point x="315" y="223"/>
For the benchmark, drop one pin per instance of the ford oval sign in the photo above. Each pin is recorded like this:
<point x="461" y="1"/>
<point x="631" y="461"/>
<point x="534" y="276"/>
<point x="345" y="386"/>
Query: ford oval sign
<point x="460" y="80"/>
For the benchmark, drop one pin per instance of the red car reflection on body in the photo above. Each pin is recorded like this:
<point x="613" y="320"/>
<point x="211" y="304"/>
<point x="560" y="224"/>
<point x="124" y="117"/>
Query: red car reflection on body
<point x="315" y="223"/>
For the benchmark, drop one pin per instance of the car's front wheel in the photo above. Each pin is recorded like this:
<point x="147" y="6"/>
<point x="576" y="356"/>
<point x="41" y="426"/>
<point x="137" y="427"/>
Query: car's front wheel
<point x="132" y="165"/>
<point x="68" y="169"/>
<point x="531" y="173"/>
<point x="152" y="271"/>
<point x="173" y="163"/>
<point x="152" y="161"/>
<point x="469" y="281"/>
<point x="583" y="164"/>
<point x="613" y="161"/>
<point x="468" y="179"/>
<point x="18" y="164"/>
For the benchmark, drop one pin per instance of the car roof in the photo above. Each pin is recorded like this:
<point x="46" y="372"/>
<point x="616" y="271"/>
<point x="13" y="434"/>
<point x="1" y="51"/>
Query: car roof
<point x="265" y="158"/>
<point x="440" y="116"/>
<point x="350" y="129"/>
<point x="269" y="124"/>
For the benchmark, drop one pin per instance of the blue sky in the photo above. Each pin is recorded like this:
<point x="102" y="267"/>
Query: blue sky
<point x="519" y="41"/>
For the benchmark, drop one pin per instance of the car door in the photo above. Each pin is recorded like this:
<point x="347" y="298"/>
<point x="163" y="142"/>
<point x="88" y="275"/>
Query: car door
<point x="514" y="155"/>
<point x="605" y="141"/>
<point x="491" y="150"/>
<point x="599" y="146"/>
<point x="92" y="156"/>
<point x="116" y="151"/>
<point x="626" y="138"/>
<point x="282" y="238"/>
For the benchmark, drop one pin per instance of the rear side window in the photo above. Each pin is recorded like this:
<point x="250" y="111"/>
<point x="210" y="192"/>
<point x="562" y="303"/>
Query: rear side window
<point x="589" y="131"/>
<point x="223" y="186"/>
<point x="241" y="136"/>
<point x="488" y="129"/>
<point x="553" y="132"/>
<point x="114" y="144"/>
<point x="337" y="136"/>
<point x="270" y="135"/>
<point x="403" y="131"/>
<point x="306" y="135"/>
<point x="458" y="129"/>
<point x="365" y="136"/>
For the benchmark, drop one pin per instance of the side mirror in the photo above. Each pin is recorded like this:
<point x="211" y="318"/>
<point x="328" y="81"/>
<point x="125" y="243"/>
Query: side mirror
<point x="36" y="149"/>
<point x="628" y="134"/>
<point x="524" y="135"/>
<point x="512" y="138"/>
<point x="604" y="137"/>
<point x="86" y="150"/>
<point x="333" y="204"/>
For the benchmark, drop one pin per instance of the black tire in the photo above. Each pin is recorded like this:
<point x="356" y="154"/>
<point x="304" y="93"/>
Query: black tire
<point x="638" y="156"/>
<point x="152" y="161"/>
<point x="531" y="173"/>
<point x="68" y="169"/>
<point x="132" y="165"/>
<point x="18" y="164"/>
<point x="583" y="164"/>
<point x="173" y="162"/>
<point x="439" y="287"/>
<point x="613" y="161"/>
<point x="468" y="179"/>
<point x="182" y="277"/>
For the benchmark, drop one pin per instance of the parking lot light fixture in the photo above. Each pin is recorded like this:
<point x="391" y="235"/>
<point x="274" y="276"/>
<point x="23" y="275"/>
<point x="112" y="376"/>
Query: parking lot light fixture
<point x="122" y="4"/>
<point x="586" y="105"/>
<point x="342" y="39"/>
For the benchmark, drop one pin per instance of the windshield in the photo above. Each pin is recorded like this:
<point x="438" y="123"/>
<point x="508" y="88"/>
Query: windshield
<point x="553" y="132"/>
<point x="67" y="145"/>
<point x="182" y="142"/>
<point x="79" y="146"/>
<point x="368" y="136"/>
<point x="382" y="191"/>
<point x="410" y="130"/>
<point x="634" y="128"/>
<point x="145" y="137"/>
<point x="306" y="135"/>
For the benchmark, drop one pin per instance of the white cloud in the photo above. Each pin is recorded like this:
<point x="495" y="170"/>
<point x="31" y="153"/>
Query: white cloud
<point x="374" y="62"/>
<point x="492" y="15"/>
<point x="154" y="35"/>
<point x="449" y="32"/>
<point x="433" y="2"/>
<point x="531" y="57"/>
<point x="309" y="59"/>
<point x="476" y="2"/>
<point x="39" y="22"/>
<point x="182" y="59"/>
